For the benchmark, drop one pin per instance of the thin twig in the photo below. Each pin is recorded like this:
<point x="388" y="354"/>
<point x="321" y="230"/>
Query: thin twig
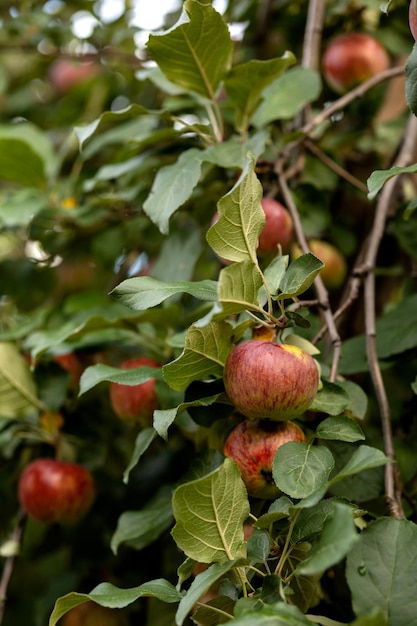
<point x="9" y="564"/>
<point x="335" y="167"/>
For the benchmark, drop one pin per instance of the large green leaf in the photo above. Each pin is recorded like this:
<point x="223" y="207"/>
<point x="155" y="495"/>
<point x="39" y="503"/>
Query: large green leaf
<point x="331" y="399"/>
<point x="113" y="597"/>
<point x="204" y="355"/>
<point x="143" y="292"/>
<point x="239" y="286"/>
<point x="241" y="218"/>
<point x="17" y="387"/>
<point x="381" y="571"/>
<point x="196" y="53"/>
<point x="364" y="458"/>
<point x="246" y="82"/>
<point x="287" y="95"/>
<point x="173" y="185"/>
<point x="210" y="513"/>
<point x="300" y="469"/>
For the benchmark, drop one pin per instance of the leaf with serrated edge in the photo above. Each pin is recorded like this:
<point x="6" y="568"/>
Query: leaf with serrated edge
<point x="210" y="513"/>
<point x="300" y="469"/>
<point x="239" y="286"/>
<point x="196" y="53"/>
<point x="204" y="355"/>
<point x="340" y="428"/>
<point x="241" y="218"/>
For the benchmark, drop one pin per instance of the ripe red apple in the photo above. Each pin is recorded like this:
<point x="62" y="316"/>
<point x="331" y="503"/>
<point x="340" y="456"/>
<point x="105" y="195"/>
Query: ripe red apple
<point x="66" y="73"/>
<point x="278" y="229"/>
<point x="267" y="380"/>
<point x="335" y="267"/>
<point x="55" y="491"/>
<point x="352" y="58"/>
<point x="135" y="403"/>
<point x="70" y="362"/>
<point x="412" y="18"/>
<point x="92" y="614"/>
<point x="252" y="445"/>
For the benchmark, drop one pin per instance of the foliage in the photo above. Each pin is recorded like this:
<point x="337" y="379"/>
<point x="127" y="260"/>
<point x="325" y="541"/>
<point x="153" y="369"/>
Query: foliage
<point x="109" y="248"/>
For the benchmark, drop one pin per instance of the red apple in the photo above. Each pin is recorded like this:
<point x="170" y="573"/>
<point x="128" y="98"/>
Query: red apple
<point x="352" y="58"/>
<point x="70" y="362"/>
<point x="278" y="229"/>
<point x="335" y="267"/>
<point x="267" y="380"/>
<point x="66" y="73"/>
<point x="92" y="614"/>
<point x="412" y="18"/>
<point x="135" y="403"/>
<point x="55" y="491"/>
<point x="252" y="445"/>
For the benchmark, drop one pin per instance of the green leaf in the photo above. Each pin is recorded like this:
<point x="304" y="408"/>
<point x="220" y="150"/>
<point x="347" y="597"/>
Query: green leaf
<point x="144" y="292"/>
<point x="337" y="538"/>
<point x="96" y="374"/>
<point x="241" y="218"/>
<point x="364" y="458"/>
<point x="142" y="443"/>
<point x="381" y="571"/>
<point x="411" y="80"/>
<point x="196" y="53"/>
<point x="378" y="178"/>
<point x="245" y="83"/>
<point x="172" y="187"/>
<point x="17" y="387"/>
<point x="26" y="155"/>
<point x="139" y="529"/>
<point x="204" y="355"/>
<point x="340" y="428"/>
<point x="239" y="286"/>
<point x="300" y="469"/>
<point x="200" y="585"/>
<point x="278" y="614"/>
<point x="331" y="399"/>
<point x="132" y="112"/>
<point x="113" y="597"/>
<point x="210" y="513"/>
<point x="287" y="96"/>
<point x="300" y="275"/>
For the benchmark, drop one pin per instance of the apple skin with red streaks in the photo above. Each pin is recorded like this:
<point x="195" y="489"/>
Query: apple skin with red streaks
<point x="412" y="18"/>
<point x="50" y="490"/>
<point x="352" y="58"/>
<point x="135" y="404"/>
<point x="252" y="445"/>
<point x="278" y="228"/>
<point x="268" y="380"/>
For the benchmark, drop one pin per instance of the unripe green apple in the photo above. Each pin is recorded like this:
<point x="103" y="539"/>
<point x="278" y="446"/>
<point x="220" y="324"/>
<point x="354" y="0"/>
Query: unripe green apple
<point x="55" y="491"/>
<point x="136" y="403"/>
<point x="267" y="380"/>
<point x="352" y="58"/>
<point x="252" y="445"/>
<point x="412" y="18"/>
<point x="278" y="229"/>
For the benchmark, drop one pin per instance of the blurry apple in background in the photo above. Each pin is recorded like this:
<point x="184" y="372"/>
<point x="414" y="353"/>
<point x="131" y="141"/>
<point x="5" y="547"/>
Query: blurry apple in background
<point x="352" y="58"/>
<point x="412" y="18"/>
<point x="135" y="403"/>
<point x="335" y="267"/>
<point x="92" y="614"/>
<point x="278" y="229"/>
<point x="267" y="380"/>
<point x="55" y="491"/>
<point x="252" y="445"/>
<point x="67" y="72"/>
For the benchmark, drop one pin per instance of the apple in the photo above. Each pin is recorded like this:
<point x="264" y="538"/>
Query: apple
<point x="252" y="445"/>
<point x="268" y="380"/>
<point x="135" y="403"/>
<point x="92" y="614"/>
<point x="335" y="267"/>
<point x="412" y="18"/>
<point x="352" y="58"/>
<point x="70" y="362"/>
<point x="66" y="73"/>
<point x="55" y="491"/>
<point x="278" y="229"/>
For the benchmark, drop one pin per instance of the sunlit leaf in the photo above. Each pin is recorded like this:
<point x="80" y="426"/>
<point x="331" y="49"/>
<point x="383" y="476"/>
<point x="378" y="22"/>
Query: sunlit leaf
<point x="239" y="286"/>
<point x="17" y="387"/>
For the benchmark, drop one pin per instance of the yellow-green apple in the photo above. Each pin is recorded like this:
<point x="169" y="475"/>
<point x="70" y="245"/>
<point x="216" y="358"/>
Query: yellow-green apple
<point x="92" y="614"/>
<point x="268" y="380"/>
<point x="137" y="403"/>
<point x="352" y="58"/>
<point x="50" y="490"/>
<point x="335" y="267"/>
<point x="278" y="228"/>
<point x="252" y="445"/>
<point x="412" y="18"/>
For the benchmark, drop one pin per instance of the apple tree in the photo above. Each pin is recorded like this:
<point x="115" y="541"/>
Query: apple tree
<point x="208" y="336"/>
